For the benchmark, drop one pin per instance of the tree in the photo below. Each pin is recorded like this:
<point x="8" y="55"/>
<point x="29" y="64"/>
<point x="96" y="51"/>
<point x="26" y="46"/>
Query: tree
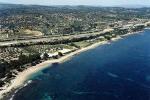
<point x="23" y="59"/>
<point x="77" y="26"/>
<point x="45" y="31"/>
<point x="34" y="57"/>
<point x="45" y="56"/>
<point x="60" y="54"/>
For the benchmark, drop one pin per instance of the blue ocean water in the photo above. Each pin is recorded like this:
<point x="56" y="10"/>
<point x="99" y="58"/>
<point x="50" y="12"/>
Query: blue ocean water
<point x="116" y="71"/>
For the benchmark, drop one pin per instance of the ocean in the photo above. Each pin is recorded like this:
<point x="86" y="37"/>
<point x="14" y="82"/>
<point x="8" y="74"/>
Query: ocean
<point x="116" y="71"/>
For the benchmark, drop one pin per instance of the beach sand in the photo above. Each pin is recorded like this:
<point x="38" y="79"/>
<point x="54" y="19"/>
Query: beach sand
<point x="22" y="77"/>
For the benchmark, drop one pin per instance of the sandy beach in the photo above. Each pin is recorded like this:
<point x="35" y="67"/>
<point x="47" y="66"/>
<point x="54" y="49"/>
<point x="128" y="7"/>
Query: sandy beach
<point x="20" y="79"/>
<point x="22" y="76"/>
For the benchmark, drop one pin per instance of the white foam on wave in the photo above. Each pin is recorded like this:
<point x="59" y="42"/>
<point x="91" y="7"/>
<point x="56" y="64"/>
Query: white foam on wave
<point x="129" y="79"/>
<point x="13" y="95"/>
<point x="112" y="75"/>
<point x="28" y="82"/>
<point x="81" y="92"/>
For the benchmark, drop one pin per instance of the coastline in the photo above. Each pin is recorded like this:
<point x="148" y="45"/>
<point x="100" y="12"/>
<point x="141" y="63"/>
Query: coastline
<point x="20" y="79"/>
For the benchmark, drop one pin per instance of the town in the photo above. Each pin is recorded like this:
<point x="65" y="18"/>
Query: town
<point x="33" y="34"/>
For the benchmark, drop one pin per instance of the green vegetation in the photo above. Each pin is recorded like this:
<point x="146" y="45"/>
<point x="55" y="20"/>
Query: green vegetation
<point x="48" y="20"/>
<point x="82" y="44"/>
<point x="58" y="28"/>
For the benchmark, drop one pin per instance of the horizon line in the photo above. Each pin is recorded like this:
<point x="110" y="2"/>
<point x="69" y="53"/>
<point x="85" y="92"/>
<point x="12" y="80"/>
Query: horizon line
<point x="121" y="6"/>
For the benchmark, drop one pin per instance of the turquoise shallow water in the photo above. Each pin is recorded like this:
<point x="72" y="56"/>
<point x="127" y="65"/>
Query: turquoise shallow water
<point x="116" y="71"/>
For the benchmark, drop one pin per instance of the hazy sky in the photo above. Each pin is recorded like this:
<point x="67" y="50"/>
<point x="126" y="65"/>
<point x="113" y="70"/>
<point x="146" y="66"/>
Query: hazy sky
<point x="80" y="2"/>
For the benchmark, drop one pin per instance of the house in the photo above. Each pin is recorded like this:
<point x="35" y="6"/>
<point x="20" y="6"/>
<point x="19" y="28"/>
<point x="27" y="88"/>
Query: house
<point x="56" y="54"/>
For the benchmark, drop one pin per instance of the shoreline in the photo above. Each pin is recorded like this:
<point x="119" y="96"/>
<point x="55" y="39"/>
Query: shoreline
<point x="22" y="77"/>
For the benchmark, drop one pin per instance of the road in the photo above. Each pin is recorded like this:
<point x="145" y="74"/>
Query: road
<point x="8" y="43"/>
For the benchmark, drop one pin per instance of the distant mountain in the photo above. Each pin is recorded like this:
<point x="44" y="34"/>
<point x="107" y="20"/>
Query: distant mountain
<point x="132" y="6"/>
<point x="8" y="5"/>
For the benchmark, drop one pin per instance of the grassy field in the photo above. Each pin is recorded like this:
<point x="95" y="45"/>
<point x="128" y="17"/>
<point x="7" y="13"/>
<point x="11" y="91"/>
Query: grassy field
<point x="82" y="44"/>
